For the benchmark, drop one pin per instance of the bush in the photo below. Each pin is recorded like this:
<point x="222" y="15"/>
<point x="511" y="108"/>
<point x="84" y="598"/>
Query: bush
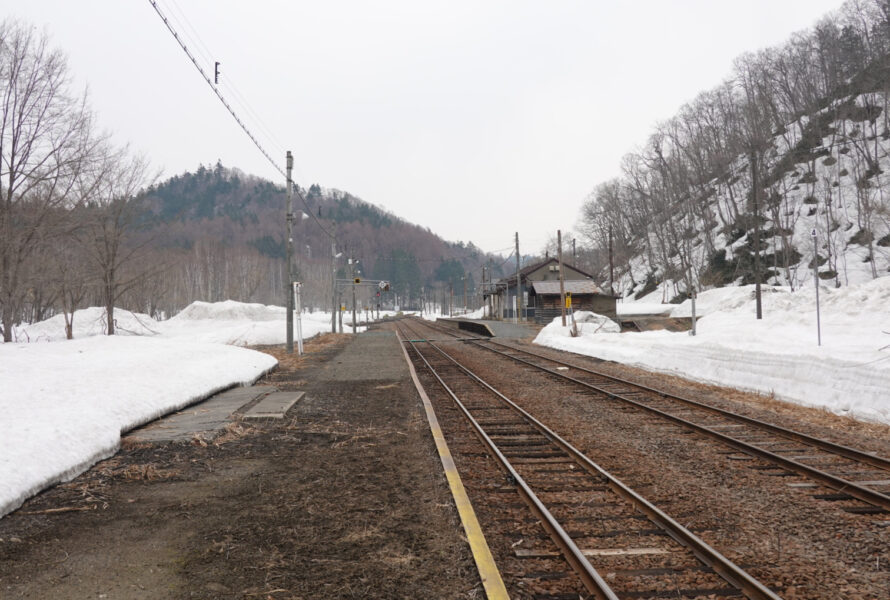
<point x="862" y="237"/>
<point x="719" y="271"/>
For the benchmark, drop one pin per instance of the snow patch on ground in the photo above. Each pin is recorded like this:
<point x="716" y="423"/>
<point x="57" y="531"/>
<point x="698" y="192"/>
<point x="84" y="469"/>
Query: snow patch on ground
<point x="230" y="310"/>
<point x="65" y="404"/>
<point x="586" y="322"/>
<point x="849" y="374"/>
<point x="479" y="313"/>
<point x="87" y="322"/>
<point x="634" y="309"/>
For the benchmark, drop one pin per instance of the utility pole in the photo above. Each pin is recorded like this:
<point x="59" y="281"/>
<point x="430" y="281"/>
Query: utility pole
<point x="816" y="282"/>
<point x="491" y="291"/>
<point x="518" y="307"/>
<point x="754" y="194"/>
<point x="465" y="293"/>
<point x="562" y="283"/>
<point x="289" y="253"/>
<point x="483" y="291"/>
<point x="299" y="310"/>
<point x="574" y="259"/>
<point x="611" y="264"/>
<point x="353" y="294"/>
<point x="335" y="308"/>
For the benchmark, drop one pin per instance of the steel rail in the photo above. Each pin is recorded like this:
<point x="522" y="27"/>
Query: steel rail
<point x="721" y="565"/>
<point x="842" y="485"/>
<point x="840" y="450"/>
<point x="591" y="579"/>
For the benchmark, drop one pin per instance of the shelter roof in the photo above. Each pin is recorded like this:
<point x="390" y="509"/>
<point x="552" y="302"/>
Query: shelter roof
<point x="572" y="286"/>
<point x="526" y="270"/>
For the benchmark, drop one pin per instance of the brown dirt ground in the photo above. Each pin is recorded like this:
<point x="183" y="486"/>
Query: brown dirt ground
<point x="343" y="499"/>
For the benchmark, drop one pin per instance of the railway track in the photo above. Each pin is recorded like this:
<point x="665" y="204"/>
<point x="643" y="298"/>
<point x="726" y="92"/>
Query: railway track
<point x="851" y="474"/>
<point x="596" y="523"/>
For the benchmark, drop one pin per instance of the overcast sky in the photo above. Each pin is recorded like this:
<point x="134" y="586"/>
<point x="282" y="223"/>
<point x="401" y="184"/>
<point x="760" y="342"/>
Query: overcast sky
<point x="475" y="119"/>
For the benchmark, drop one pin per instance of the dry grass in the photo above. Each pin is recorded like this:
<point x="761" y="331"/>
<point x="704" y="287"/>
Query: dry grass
<point x="366" y="533"/>
<point x="317" y="344"/>
<point x="147" y="472"/>
<point x="233" y="431"/>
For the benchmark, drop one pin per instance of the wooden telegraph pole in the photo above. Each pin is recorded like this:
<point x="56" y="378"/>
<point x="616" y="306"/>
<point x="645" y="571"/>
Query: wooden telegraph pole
<point x="335" y="302"/>
<point x="562" y="283"/>
<point x="518" y="307"/>
<point x="289" y="252"/>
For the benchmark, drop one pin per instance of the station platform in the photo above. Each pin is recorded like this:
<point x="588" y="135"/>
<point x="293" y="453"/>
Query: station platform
<point x="493" y="328"/>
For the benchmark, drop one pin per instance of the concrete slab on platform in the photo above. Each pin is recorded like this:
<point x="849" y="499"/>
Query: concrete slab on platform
<point x="502" y="329"/>
<point x="205" y="418"/>
<point x="273" y="406"/>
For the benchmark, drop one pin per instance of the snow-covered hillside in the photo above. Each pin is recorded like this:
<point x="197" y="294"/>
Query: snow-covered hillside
<point x="827" y="174"/>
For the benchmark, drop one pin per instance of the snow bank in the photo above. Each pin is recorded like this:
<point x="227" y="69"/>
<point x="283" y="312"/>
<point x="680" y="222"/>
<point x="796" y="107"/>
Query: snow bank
<point x="726" y="298"/>
<point x="632" y="309"/>
<point x="228" y="322"/>
<point x="849" y="374"/>
<point x="87" y="322"/>
<point x="230" y="310"/>
<point x="65" y="404"/>
<point x="707" y="302"/>
<point x="479" y="313"/>
<point x="588" y="323"/>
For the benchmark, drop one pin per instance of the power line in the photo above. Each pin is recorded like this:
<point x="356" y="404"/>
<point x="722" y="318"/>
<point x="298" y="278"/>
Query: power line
<point x="215" y="89"/>
<point x="189" y="30"/>
<point x="238" y="120"/>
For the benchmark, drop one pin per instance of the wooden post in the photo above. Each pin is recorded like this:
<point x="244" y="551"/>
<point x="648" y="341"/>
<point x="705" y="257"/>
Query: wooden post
<point x="562" y="283"/>
<point x="518" y="307"/>
<point x="289" y="252"/>
<point x="755" y="195"/>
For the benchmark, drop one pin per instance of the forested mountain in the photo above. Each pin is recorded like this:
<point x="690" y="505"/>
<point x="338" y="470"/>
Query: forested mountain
<point x="790" y="155"/>
<point x="221" y="234"/>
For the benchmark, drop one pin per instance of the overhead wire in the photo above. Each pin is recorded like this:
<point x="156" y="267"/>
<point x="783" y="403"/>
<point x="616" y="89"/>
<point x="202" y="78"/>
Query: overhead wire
<point x="178" y="14"/>
<point x="179" y="39"/>
<point x="440" y="258"/>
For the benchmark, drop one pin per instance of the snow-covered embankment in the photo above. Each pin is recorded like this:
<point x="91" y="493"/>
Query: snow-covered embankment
<point x="849" y="374"/>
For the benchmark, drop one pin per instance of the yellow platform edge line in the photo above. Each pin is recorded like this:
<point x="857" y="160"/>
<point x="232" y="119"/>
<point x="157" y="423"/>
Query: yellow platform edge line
<point x="488" y="570"/>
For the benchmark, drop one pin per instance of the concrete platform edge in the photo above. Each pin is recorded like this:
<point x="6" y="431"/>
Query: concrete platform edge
<point x="485" y="565"/>
<point x="198" y="400"/>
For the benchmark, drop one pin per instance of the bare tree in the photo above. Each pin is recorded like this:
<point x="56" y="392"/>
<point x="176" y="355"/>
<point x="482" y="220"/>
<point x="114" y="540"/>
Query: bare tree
<point x="113" y="214"/>
<point x="45" y="141"/>
<point x="70" y="277"/>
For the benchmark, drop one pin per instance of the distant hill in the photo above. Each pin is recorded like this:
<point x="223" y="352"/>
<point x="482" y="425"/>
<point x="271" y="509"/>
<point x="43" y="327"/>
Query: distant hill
<point x="223" y="234"/>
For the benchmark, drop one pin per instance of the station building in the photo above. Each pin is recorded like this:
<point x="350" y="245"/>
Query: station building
<point x="539" y="287"/>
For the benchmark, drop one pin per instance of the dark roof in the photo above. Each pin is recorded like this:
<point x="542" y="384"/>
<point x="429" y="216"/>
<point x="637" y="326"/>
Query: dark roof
<point x="525" y="271"/>
<point x="572" y="286"/>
